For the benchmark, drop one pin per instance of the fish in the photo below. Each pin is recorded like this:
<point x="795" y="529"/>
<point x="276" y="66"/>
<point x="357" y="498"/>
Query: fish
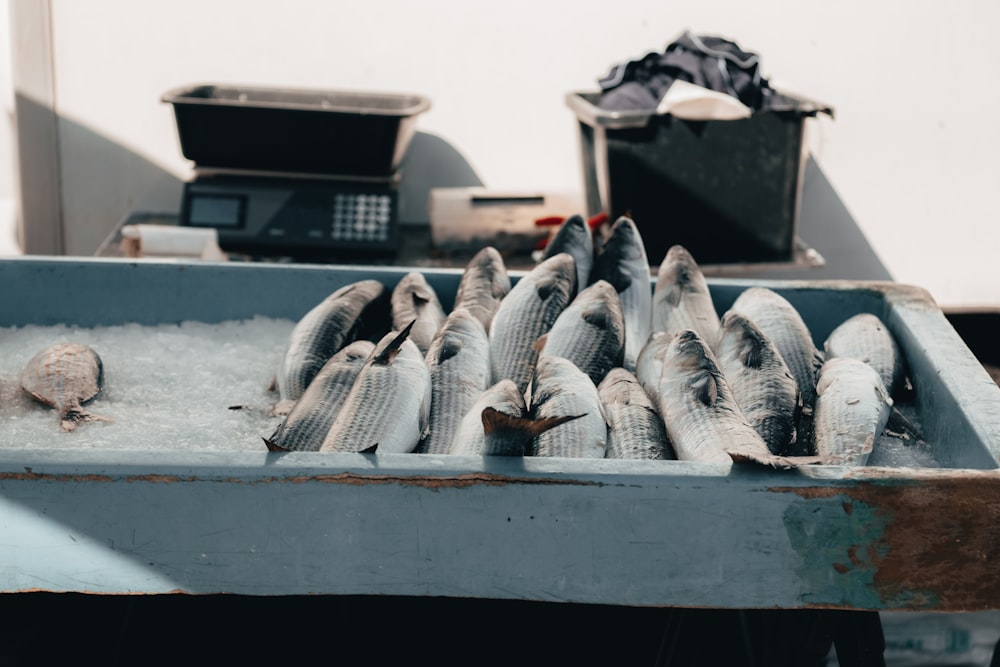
<point x="864" y="336"/>
<point x="590" y="332"/>
<point x="558" y="390"/>
<point x="498" y="424"/>
<point x="483" y="285"/>
<point x="64" y="376"/>
<point x="681" y="298"/>
<point x="852" y="409"/>
<point x="575" y="237"/>
<point x="761" y="383"/>
<point x="459" y="365"/>
<point x="337" y="320"/>
<point x="623" y="263"/>
<point x="389" y="404"/>
<point x="778" y="319"/>
<point x="305" y="427"/>
<point x="649" y="364"/>
<point x="702" y="419"/>
<point x="414" y="300"/>
<point x="527" y="312"/>
<point x="635" y="428"/>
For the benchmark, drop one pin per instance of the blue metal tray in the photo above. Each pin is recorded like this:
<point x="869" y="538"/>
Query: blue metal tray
<point x="660" y="533"/>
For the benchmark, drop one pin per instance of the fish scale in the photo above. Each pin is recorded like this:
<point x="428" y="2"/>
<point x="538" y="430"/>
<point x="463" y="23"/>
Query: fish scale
<point x="590" y="332"/>
<point x="681" y="298"/>
<point x="701" y="416"/>
<point x="780" y="321"/>
<point x="64" y="376"/>
<point x="483" y="285"/>
<point x="459" y="365"/>
<point x="865" y="337"/>
<point x="624" y="264"/>
<point x="388" y="404"/>
<point x="575" y="237"/>
<point x="470" y="435"/>
<point x="321" y="332"/>
<point x="560" y="389"/>
<point x="761" y="383"/>
<point x="525" y="314"/>
<point x="635" y="429"/>
<point x="852" y="409"/>
<point x="414" y="300"/>
<point x="310" y="419"/>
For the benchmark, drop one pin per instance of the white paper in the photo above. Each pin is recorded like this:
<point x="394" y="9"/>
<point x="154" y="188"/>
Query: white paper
<point x="690" y="102"/>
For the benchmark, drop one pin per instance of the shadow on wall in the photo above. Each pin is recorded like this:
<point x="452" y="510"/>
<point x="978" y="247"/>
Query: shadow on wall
<point x="78" y="185"/>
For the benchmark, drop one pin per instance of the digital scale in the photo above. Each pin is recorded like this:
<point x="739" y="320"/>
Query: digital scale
<point x="274" y="213"/>
<point x="294" y="172"/>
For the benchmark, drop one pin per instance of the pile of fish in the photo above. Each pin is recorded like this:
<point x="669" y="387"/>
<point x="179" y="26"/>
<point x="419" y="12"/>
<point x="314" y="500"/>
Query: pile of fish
<point x="583" y="357"/>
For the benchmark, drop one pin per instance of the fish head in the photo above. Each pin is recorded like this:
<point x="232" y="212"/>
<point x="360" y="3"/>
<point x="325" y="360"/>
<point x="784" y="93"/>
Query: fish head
<point x="741" y="339"/>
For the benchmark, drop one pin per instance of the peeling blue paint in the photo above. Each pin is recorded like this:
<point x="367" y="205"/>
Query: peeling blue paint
<point x="840" y="543"/>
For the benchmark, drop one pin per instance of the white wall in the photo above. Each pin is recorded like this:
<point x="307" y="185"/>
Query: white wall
<point x="910" y="152"/>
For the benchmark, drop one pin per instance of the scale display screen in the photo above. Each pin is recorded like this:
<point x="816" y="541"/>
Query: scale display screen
<point x="216" y="211"/>
<point x="270" y="215"/>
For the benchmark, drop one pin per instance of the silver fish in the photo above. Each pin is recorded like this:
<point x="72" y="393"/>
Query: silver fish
<point x="865" y="337"/>
<point x="307" y="424"/>
<point x="703" y="421"/>
<point x="575" y="237"/>
<point x="414" y="300"/>
<point x="623" y="263"/>
<point x="761" y="383"/>
<point x="483" y="286"/>
<point x="65" y="376"/>
<point x="778" y="319"/>
<point x="459" y="364"/>
<point x="324" y="330"/>
<point x="560" y="389"/>
<point x="681" y="298"/>
<point x="590" y="332"/>
<point x="388" y="406"/>
<point x="635" y="429"/>
<point x="852" y="408"/>
<point x="527" y="312"/>
<point x="498" y="424"/>
<point x="649" y="364"/>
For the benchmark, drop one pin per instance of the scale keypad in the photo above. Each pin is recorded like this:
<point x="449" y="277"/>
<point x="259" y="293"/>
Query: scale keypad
<point x="361" y="217"/>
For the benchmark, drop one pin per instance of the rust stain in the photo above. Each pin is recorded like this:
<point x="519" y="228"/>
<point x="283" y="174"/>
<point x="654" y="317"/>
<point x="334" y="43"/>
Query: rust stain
<point x="941" y="541"/>
<point x="453" y="482"/>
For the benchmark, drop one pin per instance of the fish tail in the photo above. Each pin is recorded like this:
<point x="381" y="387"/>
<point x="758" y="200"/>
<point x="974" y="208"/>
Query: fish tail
<point x="74" y="416"/>
<point x="272" y="446"/>
<point x="494" y="420"/>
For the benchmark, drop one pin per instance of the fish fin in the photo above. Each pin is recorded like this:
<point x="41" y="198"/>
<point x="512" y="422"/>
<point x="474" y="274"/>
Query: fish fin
<point x="386" y="356"/>
<point x="273" y="447"/>
<point x="370" y="450"/>
<point x="899" y="423"/>
<point x="598" y="314"/>
<point x="450" y="347"/>
<point x="546" y="286"/>
<point x="706" y="388"/>
<point x="273" y="386"/>
<point x="673" y="294"/>
<point x="540" y="343"/>
<point x="751" y="354"/>
<point x="775" y="461"/>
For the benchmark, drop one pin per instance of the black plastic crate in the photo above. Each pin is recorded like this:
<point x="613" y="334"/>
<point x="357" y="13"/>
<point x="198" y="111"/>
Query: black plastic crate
<point x="727" y="190"/>
<point x="295" y="130"/>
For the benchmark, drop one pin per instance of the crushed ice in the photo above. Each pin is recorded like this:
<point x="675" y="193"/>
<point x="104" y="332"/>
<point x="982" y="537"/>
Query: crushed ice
<point x="168" y="386"/>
